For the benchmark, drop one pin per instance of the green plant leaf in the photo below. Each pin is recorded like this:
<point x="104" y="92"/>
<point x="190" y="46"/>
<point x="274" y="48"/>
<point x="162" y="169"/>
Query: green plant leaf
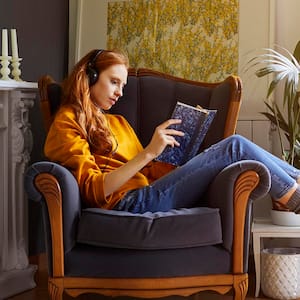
<point x="273" y="85"/>
<point x="263" y="72"/>
<point x="276" y="117"/>
<point x="297" y="52"/>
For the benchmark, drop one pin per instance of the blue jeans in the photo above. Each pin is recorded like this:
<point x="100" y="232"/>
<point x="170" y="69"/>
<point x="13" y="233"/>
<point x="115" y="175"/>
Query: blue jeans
<point x="184" y="186"/>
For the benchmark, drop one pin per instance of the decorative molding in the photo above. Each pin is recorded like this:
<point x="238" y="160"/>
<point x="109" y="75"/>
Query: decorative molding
<point x="16" y="100"/>
<point x="21" y="133"/>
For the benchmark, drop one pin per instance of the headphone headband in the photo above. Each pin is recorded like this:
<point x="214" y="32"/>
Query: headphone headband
<point x="94" y="57"/>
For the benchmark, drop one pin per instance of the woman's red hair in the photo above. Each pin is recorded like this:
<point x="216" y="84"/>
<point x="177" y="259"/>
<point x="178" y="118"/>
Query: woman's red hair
<point x="76" y="93"/>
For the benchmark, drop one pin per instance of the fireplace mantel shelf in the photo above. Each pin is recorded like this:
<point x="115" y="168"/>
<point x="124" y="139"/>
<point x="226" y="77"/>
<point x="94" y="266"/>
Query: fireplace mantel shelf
<point x="13" y="84"/>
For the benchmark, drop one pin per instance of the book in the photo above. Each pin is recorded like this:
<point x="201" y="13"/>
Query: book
<point x="195" y="124"/>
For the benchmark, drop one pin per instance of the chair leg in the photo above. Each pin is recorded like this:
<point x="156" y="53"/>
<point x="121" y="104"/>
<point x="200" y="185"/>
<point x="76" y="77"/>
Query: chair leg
<point x="240" y="286"/>
<point x="55" y="291"/>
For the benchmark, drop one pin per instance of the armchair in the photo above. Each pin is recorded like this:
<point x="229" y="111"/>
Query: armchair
<point x="151" y="255"/>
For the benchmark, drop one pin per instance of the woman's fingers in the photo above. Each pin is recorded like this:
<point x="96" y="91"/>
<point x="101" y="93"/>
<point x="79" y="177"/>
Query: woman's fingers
<point x="164" y="136"/>
<point x="172" y="141"/>
<point x="164" y="127"/>
<point x="169" y="122"/>
<point x="172" y="132"/>
<point x="168" y="134"/>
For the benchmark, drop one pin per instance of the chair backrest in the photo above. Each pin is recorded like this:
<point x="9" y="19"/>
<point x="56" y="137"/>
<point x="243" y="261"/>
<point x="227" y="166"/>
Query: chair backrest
<point x="150" y="96"/>
<point x="50" y="99"/>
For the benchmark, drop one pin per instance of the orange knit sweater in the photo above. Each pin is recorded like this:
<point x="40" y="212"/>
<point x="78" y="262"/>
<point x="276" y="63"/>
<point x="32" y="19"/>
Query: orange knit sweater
<point x="66" y="145"/>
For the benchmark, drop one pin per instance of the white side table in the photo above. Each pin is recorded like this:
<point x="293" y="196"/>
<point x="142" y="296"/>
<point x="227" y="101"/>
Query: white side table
<point x="263" y="228"/>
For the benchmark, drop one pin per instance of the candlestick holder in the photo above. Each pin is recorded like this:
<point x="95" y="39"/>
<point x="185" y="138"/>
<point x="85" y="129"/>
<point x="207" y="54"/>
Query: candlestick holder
<point x="16" y="72"/>
<point x="5" y="70"/>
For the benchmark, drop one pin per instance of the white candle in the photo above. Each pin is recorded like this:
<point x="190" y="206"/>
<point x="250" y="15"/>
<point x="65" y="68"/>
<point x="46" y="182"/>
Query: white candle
<point x="14" y="43"/>
<point x="4" y="43"/>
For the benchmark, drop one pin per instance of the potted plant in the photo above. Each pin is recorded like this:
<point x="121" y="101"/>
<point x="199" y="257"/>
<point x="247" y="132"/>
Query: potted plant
<point x="284" y="114"/>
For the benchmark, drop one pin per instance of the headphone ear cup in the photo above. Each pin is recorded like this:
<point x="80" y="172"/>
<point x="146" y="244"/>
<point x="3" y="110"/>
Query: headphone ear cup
<point x="92" y="74"/>
<point x="91" y="71"/>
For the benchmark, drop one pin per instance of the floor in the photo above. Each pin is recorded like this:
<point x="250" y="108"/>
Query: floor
<point x="41" y="293"/>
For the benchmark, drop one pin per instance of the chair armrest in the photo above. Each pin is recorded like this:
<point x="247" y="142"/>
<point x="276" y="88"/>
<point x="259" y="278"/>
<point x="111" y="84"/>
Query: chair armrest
<point x="233" y="191"/>
<point x="46" y="182"/>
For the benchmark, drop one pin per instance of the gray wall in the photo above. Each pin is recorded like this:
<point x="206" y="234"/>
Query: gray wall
<point x="42" y="29"/>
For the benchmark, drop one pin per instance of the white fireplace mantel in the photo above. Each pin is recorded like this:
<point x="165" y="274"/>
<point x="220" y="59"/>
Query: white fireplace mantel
<point x="16" y="99"/>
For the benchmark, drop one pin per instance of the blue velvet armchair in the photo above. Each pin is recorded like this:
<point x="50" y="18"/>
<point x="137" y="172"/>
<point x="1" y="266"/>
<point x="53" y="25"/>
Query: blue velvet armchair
<point x="151" y="255"/>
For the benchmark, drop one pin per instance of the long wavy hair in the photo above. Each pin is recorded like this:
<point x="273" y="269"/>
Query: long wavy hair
<point x="76" y="94"/>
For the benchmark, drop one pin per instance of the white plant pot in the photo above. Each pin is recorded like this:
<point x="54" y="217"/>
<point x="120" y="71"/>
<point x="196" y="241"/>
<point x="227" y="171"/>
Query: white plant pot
<point x="285" y="218"/>
<point x="280" y="273"/>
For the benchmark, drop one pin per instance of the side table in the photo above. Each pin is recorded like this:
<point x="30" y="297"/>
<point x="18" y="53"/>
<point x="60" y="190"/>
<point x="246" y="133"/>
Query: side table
<point x="263" y="228"/>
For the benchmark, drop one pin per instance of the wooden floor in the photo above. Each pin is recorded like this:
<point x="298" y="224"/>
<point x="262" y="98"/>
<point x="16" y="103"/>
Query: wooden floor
<point x="41" y="293"/>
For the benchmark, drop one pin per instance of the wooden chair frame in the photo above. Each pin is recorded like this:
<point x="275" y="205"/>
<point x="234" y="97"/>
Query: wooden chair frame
<point x="146" y="287"/>
<point x="58" y="283"/>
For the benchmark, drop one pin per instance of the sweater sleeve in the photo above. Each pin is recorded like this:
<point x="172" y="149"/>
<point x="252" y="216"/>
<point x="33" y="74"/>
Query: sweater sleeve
<point x="66" y="144"/>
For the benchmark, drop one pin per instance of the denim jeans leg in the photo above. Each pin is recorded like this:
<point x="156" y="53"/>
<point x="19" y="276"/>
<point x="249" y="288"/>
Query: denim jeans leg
<point x="283" y="175"/>
<point x="184" y="186"/>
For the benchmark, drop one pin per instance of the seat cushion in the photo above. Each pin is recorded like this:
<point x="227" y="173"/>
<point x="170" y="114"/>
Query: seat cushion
<point x="177" y="228"/>
<point x="90" y="261"/>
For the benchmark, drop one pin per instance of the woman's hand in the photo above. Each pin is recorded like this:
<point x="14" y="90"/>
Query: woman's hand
<point x="164" y="136"/>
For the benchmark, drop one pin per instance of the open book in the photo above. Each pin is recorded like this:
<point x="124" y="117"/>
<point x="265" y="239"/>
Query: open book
<point x="195" y="124"/>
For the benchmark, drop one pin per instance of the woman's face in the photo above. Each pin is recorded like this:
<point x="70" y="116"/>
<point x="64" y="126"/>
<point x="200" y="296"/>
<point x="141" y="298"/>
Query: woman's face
<point x="109" y="87"/>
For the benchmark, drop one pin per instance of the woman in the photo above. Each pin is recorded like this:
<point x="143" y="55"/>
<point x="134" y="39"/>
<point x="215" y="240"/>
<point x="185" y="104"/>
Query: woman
<point x="114" y="171"/>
